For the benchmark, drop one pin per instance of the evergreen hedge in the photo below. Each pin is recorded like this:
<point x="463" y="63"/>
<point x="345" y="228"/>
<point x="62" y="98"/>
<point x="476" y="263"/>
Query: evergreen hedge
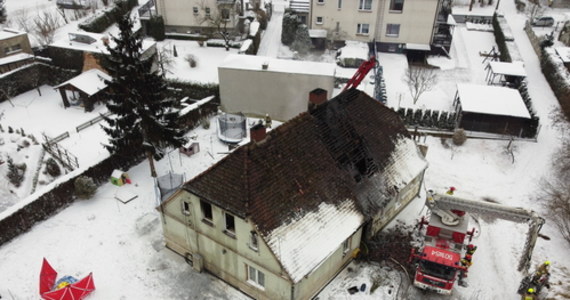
<point x="156" y="28"/>
<point x="500" y="40"/>
<point x="558" y="78"/>
<point x="180" y="89"/>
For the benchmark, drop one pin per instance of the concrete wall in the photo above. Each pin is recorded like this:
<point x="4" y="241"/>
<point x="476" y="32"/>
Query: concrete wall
<point x="282" y="95"/>
<point x="19" y="40"/>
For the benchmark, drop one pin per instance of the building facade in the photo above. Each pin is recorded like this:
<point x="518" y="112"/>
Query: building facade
<point x="199" y="16"/>
<point x="396" y="25"/>
<point x="281" y="216"/>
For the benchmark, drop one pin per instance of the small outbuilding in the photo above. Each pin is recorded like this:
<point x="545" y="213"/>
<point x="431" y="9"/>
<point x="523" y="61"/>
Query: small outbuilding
<point x="491" y="109"/>
<point x="84" y="90"/>
<point x="505" y="73"/>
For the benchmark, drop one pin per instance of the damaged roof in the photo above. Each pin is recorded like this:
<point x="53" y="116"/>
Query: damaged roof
<point x="344" y="159"/>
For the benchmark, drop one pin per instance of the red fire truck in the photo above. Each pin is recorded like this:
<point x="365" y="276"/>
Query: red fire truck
<point x="441" y="259"/>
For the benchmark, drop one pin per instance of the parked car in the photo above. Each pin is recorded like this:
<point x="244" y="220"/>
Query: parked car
<point x="542" y="21"/>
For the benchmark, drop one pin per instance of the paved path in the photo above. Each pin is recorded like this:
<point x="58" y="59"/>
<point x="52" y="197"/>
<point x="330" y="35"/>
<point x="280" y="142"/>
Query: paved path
<point x="271" y="39"/>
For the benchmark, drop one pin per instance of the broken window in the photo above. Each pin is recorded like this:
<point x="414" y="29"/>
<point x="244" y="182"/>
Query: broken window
<point x="207" y="212"/>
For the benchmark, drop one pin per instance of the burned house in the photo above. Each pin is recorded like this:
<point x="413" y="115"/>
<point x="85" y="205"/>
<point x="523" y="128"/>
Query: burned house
<point x="279" y="217"/>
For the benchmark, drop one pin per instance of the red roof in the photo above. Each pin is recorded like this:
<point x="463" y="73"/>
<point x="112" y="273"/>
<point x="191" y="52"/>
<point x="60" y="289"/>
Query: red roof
<point x="441" y="256"/>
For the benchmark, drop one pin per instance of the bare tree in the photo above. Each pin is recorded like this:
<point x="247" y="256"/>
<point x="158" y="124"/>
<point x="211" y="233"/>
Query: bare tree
<point x="21" y="20"/>
<point x="165" y="60"/>
<point x="45" y="25"/>
<point x="419" y="80"/>
<point x="219" y="18"/>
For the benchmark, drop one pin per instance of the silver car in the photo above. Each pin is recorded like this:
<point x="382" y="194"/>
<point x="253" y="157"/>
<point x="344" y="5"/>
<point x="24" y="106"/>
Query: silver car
<point x="542" y="21"/>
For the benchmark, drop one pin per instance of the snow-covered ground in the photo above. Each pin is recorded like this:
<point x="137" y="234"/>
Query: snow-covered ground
<point x="122" y="243"/>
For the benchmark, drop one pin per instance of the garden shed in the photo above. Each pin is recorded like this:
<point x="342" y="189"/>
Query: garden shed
<point x="84" y="90"/>
<point x="505" y="73"/>
<point x="491" y="109"/>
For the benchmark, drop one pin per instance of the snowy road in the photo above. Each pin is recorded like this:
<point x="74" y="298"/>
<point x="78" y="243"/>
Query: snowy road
<point x="271" y="40"/>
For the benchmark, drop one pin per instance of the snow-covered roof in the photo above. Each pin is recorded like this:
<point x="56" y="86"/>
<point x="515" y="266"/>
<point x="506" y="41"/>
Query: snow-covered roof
<point x="245" y="45"/>
<point x="564" y="53"/>
<point x="8" y="33"/>
<point x="14" y="58"/>
<point x="194" y="105"/>
<point x="302" y="6"/>
<point x="254" y="63"/>
<point x="253" y="28"/>
<point x="421" y="47"/>
<point x="117" y="173"/>
<point x="493" y="100"/>
<point x="354" y="49"/>
<point x="306" y="242"/>
<point x="317" y="33"/>
<point x="451" y="20"/>
<point x="505" y="68"/>
<point x="97" y="46"/>
<point x="89" y="82"/>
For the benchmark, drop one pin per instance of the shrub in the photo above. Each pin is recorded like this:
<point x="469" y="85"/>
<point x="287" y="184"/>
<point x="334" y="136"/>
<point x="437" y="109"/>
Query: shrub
<point x="85" y="187"/>
<point x="205" y="122"/>
<point x="289" y="27"/>
<point x="16" y="172"/>
<point x="191" y="59"/>
<point x="156" y="28"/>
<point x="459" y="137"/>
<point x="52" y="168"/>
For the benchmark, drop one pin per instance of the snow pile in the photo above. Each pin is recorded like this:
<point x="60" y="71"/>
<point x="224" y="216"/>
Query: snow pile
<point x="353" y="54"/>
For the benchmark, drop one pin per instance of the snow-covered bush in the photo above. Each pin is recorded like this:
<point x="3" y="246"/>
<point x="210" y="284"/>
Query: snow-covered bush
<point x="192" y="61"/>
<point x="85" y="187"/>
<point x="459" y="137"/>
<point x="52" y="168"/>
<point x="205" y="122"/>
<point x="352" y="55"/>
<point x="302" y="43"/>
<point x="16" y="172"/>
<point x="289" y="27"/>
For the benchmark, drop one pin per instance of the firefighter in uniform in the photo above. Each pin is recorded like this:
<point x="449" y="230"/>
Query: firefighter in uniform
<point x="529" y="295"/>
<point x="471" y="249"/>
<point x="542" y="270"/>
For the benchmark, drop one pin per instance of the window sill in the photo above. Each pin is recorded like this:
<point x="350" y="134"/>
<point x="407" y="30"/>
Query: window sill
<point x="362" y="34"/>
<point x="392" y="35"/>
<point x="321" y="23"/>
<point x="256" y="249"/>
<point x="395" y="11"/>
<point x="320" y="3"/>
<point x="13" y="51"/>
<point x="208" y="222"/>
<point x="365" y="10"/>
<point x="256" y="285"/>
<point x="230" y="234"/>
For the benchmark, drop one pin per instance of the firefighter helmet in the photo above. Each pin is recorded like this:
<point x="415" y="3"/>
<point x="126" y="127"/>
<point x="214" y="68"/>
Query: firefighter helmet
<point x="547" y="262"/>
<point x="531" y="290"/>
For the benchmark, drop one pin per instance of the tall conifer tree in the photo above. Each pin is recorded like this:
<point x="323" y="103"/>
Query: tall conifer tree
<point x="142" y="119"/>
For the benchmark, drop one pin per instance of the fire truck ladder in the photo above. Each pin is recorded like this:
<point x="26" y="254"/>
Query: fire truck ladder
<point x="516" y="214"/>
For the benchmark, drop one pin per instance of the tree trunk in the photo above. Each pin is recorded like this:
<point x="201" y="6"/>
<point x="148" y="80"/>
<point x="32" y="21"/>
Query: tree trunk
<point x="151" y="164"/>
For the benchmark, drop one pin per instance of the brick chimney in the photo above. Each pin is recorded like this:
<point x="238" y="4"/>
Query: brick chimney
<point x="317" y="97"/>
<point x="257" y="133"/>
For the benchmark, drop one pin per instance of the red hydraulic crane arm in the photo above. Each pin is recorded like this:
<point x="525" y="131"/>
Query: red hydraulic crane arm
<point x="360" y="73"/>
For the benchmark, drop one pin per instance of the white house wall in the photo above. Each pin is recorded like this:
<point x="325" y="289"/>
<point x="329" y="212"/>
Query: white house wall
<point x="279" y="94"/>
<point x="224" y="256"/>
<point x="416" y="22"/>
<point x="180" y="14"/>
<point x="348" y="17"/>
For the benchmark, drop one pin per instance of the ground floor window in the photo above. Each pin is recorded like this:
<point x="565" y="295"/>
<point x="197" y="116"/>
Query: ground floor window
<point x="255" y="277"/>
<point x="363" y="28"/>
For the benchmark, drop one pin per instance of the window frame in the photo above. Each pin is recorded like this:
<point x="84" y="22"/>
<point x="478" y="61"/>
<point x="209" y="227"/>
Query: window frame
<point x="253" y="241"/>
<point x="223" y="12"/>
<point x="321" y="2"/>
<point x="360" y="27"/>
<point x="339" y="4"/>
<point x="205" y="219"/>
<point x="346" y="245"/>
<point x="317" y="20"/>
<point x="207" y="11"/>
<point x="195" y="10"/>
<point x="362" y="5"/>
<point x="227" y="230"/>
<point x="394" y="9"/>
<point x="391" y="25"/>
<point x="186" y="208"/>
<point x="253" y="278"/>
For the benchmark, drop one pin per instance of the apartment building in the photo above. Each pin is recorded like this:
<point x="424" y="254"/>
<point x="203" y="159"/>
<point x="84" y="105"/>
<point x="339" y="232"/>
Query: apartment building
<point x="199" y="16"/>
<point x="396" y="25"/>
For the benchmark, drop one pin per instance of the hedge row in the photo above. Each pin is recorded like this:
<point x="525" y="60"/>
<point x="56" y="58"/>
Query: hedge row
<point x="109" y="16"/>
<point x="30" y="77"/>
<point x="180" y="89"/>
<point x="500" y="40"/>
<point x="428" y="118"/>
<point x="558" y="78"/>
